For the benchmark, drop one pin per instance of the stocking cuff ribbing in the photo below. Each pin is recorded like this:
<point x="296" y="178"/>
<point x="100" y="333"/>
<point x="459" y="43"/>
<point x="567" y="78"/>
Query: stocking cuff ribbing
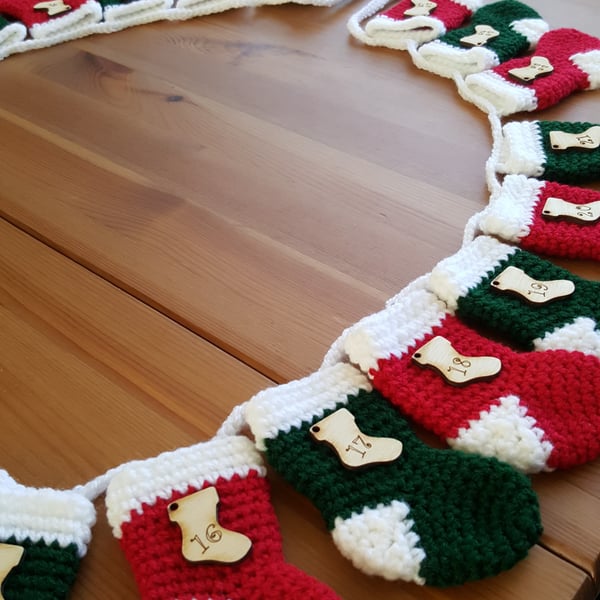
<point x="520" y="149"/>
<point x="510" y="212"/>
<point x="44" y="515"/>
<point x="145" y="481"/>
<point x="453" y="277"/>
<point x="283" y="407"/>
<point x="390" y="332"/>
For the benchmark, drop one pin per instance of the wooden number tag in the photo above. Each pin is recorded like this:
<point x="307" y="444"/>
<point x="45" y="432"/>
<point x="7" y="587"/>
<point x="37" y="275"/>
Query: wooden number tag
<point x="557" y="208"/>
<point x="53" y="7"/>
<point x="10" y="557"/>
<point x="457" y="369"/>
<point x="586" y="140"/>
<point x="421" y="8"/>
<point x="203" y="539"/>
<point x="538" y="67"/>
<point x="516" y="281"/>
<point x="483" y="34"/>
<point x="354" y="448"/>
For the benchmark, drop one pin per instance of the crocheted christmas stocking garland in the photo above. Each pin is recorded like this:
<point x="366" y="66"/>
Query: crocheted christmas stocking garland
<point x="409" y="21"/>
<point x="533" y="410"/>
<point x="430" y="516"/>
<point x="531" y="301"/>
<point x="563" y="151"/>
<point x="565" y="61"/>
<point x="43" y="536"/>
<point x="496" y="33"/>
<point x="545" y="217"/>
<point x="197" y="523"/>
<point x="54" y="18"/>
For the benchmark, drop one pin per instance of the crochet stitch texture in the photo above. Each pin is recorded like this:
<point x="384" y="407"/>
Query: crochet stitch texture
<point x="436" y="517"/>
<point x="516" y="214"/>
<point x="137" y="499"/>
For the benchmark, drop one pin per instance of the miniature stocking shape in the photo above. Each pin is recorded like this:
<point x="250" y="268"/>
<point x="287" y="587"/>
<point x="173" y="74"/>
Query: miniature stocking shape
<point x="433" y="517"/>
<point x="409" y="21"/>
<point x="545" y="217"/>
<point x="63" y="20"/>
<point x="44" y="534"/>
<point x="531" y="301"/>
<point x="496" y="33"/>
<point x="563" y="151"/>
<point x="565" y="61"/>
<point x="533" y="410"/>
<point x="214" y="533"/>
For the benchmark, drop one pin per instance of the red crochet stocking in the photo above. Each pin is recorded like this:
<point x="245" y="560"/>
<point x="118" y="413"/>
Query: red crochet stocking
<point x="45" y="18"/>
<point x="197" y="524"/>
<point x="535" y="410"/>
<point x="565" y="61"/>
<point x="545" y="217"/>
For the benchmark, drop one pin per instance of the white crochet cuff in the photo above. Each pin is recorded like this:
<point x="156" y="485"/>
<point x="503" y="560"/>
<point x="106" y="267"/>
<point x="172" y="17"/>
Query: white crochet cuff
<point x="45" y="514"/>
<point x="137" y="13"/>
<point x="510" y="212"/>
<point x="447" y="60"/>
<point x="390" y="332"/>
<point x="453" y="277"/>
<point x="393" y="33"/>
<point x="71" y="24"/>
<point x="285" y="406"/>
<point x="521" y="149"/>
<point x="507" y="98"/>
<point x="12" y="33"/>
<point x="145" y="481"/>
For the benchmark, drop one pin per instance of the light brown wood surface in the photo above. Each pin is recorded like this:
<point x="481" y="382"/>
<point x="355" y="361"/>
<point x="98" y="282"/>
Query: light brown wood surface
<point x="193" y="211"/>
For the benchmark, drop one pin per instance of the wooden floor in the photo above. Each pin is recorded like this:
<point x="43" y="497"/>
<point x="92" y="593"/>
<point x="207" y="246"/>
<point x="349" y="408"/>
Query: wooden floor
<point x="193" y="211"/>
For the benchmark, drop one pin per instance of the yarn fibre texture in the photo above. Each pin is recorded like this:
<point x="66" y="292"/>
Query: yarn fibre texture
<point x="516" y="215"/>
<point x="524" y="323"/>
<point x="501" y="16"/>
<point x="54" y="528"/>
<point x="473" y="516"/>
<point x="46" y="572"/>
<point x="152" y="544"/>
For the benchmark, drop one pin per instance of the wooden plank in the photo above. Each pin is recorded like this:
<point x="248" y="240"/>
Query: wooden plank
<point x="262" y="179"/>
<point x="91" y="378"/>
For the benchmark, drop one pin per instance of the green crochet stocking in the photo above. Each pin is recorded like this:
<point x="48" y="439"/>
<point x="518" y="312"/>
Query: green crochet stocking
<point x="435" y="517"/>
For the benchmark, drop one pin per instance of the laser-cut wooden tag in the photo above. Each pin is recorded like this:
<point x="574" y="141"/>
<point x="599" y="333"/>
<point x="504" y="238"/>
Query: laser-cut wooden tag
<point x="10" y="557"/>
<point x="516" y="281"/>
<point x="203" y="538"/>
<point x="586" y="140"/>
<point x="421" y="8"/>
<point x="354" y="448"/>
<point x="483" y="34"/>
<point x="52" y="7"/>
<point x="457" y="369"/>
<point x="557" y="208"/>
<point x="538" y="67"/>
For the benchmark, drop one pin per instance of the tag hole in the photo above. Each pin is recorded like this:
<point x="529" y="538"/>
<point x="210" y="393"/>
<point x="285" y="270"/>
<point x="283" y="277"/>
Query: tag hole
<point x="173" y="506"/>
<point x="417" y="355"/>
<point x="495" y="283"/>
<point x="315" y="429"/>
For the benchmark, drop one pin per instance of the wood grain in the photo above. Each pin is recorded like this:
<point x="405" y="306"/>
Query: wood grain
<point x="195" y="211"/>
